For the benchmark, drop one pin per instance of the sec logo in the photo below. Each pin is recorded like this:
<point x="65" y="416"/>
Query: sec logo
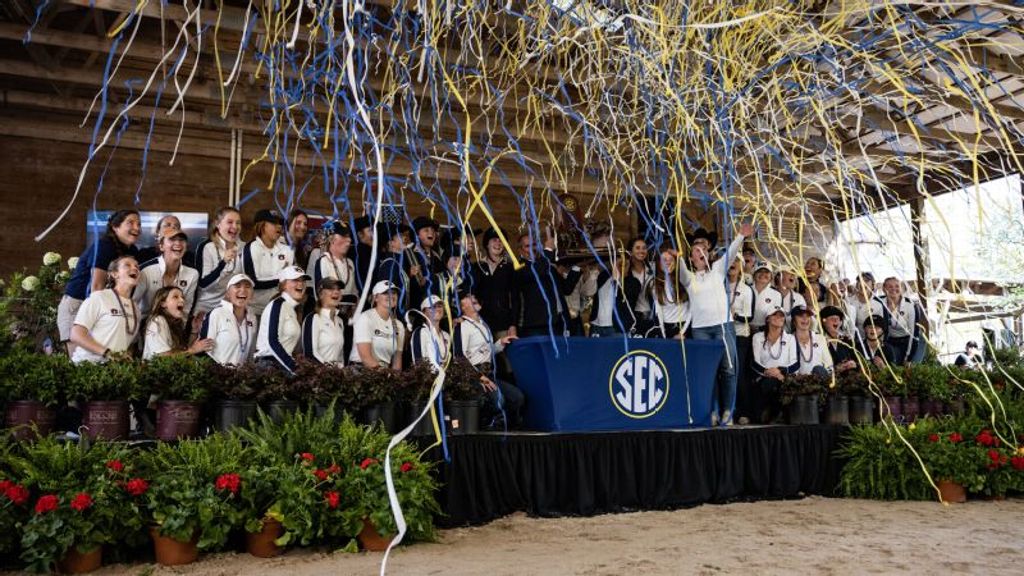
<point x="639" y="384"/>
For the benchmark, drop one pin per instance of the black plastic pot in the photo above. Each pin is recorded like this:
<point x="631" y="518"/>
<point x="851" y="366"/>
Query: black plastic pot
<point x="804" y="410"/>
<point x="838" y="410"/>
<point x="228" y="414"/>
<point x="424" y="427"/>
<point x="278" y="408"/>
<point x="931" y="407"/>
<point x="321" y="410"/>
<point x="462" y="417"/>
<point x="862" y="410"/>
<point x="382" y="413"/>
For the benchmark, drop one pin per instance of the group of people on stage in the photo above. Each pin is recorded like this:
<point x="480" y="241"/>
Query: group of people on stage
<point x="278" y="297"/>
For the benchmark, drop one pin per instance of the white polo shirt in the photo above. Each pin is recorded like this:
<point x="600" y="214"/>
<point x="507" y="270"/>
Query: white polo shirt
<point x="233" y="341"/>
<point x="262" y="264"/>
<point x="781" y="354"/>
<point x="157" y="340"/>
<point x="814" y="354"/>
<point x="765" y="302"/>
<point x="151" y="279"/>
<point x="742" y="308"/>
<point x="279" y="331"/>
<point x="430" y="344"/>
<point x="386" y="337"/>
<point x="323" y="337"/>
<point x="110" y="323"/>
<point x="473" y="340"/>
<point x="214" y="272"/>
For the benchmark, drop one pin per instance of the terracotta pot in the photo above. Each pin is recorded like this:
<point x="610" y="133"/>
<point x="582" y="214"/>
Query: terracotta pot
<point x="177" y="419"/>
<point x="106" y="419"/>
<point x="261" y="544"/>
<point x="22" y="415"/>
<point x="370" y="539"/>
<point x="952" y="492"/>
<point x="75" y="562"/>
<point x="171" y="552"/>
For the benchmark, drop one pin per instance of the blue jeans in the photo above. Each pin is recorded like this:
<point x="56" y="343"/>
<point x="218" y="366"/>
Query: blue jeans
<point x="724" y="393"/>
<point x="604" y="331"/>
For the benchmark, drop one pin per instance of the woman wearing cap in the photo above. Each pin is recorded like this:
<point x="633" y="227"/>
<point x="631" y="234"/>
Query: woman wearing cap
<point x="872" y="349"/>
<point x="473" y="340"/>
<point x="378" y="335"/>
<point x="840" y="348"/>
<point x="335" y="264"/>
<point x="167" y="270"/>
<point x="323" y="331"/>
<point x="218" y="259"/>
<point x="231" y="325"/>
<point x="90" y="274"/>
<point x="264" y="258"/>
<point x="166" y="222"/>
<point x="280" y="328"/>
<point x="742" y="313"/>
<point x="766" y="297"/>
<point x="492" y="282"/>
<point x="774" y="354"/>
<point x="428" y="342"/>
<point x="712" y="317"/>
<point x="165" y="328"/>
<point x="811" y="347"/>
<point x="108" y="321"/>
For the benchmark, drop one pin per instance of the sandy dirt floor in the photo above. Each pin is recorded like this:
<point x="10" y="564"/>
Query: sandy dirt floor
<point x="811" y="536"/>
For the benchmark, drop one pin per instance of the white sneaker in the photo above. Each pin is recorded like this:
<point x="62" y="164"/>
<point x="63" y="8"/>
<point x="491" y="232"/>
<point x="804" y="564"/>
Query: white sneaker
<point x="714" y="419"/>
<point x="727" y="418"/>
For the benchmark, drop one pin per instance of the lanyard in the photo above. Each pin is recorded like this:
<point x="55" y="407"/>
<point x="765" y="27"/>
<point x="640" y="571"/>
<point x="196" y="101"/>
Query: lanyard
<point x="243" y="343"/>
<point x="129" y="324"/>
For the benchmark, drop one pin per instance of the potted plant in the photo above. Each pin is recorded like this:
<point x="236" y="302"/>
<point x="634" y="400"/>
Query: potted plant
<point x="886" y="384"/>
<point x="803" y="395"/>
<point x="952" y="460"/>
<point x="182" y="384"/>
<point x="106" y="390"/>
<point x="261" y="485"/>
<point x="192" y="497"/>
<point x="463" y="396"/>
<point x="277" y="395"/>
<point x="854" y="385"/>
<point x="416" y="386"/>
<point x="373" y="393"/>
<point x="234" y="389"/>
<point x="318" y="385"/>
<point x="34" y="385"/>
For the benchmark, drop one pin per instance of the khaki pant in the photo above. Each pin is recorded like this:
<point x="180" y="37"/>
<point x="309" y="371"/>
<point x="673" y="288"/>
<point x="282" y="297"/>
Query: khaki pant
<point x="66" y="312"/>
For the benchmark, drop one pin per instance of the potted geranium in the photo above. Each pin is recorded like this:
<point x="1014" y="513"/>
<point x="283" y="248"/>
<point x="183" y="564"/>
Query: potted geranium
<point x="952" y="461"/>
<point x="182" y="384"/>
<point x="107" y="389"/>
<point x="34" y="384"/>
<point x="234" y="389"/>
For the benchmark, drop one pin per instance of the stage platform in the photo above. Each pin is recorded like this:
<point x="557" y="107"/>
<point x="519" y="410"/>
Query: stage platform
<point x="570" y="474"/>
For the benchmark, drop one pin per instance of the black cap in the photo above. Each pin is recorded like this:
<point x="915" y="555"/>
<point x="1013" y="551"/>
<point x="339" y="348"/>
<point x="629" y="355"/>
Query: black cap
<point x="349" y="300"/>
<point x="876" y="320"/>
<point x="339" y="228"/>
<point x="422" y="222"/>
<point x="330" y="284"/>
<point x="362" y="223"/>
<point x="271" y="216"/>
<point x="801" y="310"/>
<point x="702" y="234"/>
<point x="829" y="311"/>
<point x="490" y="234"/>
<point x="972" y="344"/>
<point x="387" y="231"/>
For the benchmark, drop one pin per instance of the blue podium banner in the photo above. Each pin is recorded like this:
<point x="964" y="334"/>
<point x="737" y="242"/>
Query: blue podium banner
<point x="591" y="384"/>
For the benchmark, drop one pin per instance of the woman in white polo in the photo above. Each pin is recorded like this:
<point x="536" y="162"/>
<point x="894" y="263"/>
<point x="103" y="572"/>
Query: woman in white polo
<point x="378" y="335"/>
<point x="108" y="321"/>
<point x="428" y="341"/>
<point x="165" y="328"/>
<point x="323" y="331"/>
<point x="219" y="259"/>
<point x="264" y="258"/>
<point x="167" y="270"/>
<point x="231" y="325"/>
<point x="280" y="329"/>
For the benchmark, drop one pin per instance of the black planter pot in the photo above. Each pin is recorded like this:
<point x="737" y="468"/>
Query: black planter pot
<point x="321" y="410"/>
<point x="462" y="417"/>
<point x="838" y="410"/>
<point x="862" y="410"/>
<point x="278" y="408"/>
<point x="424" y="427"/>
<point x="931" y="407"/>
<point x="804" y="410"/>
<point x="381" y="413"/>
<point x="228" y="414"/>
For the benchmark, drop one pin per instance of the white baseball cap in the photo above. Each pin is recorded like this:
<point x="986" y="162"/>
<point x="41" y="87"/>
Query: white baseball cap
<point x="292" y="273"/>
<point x="430" y="302"/>
<point x="763" y="265"/>
<point x="240" y="278"/>
<point x="775" y="310"/>
<point x="383" y="286"/>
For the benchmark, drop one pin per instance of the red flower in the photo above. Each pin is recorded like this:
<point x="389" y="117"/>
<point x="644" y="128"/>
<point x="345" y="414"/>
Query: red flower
<point x="17" y="494"/>
<point x="229" y="482"/>
<point x="136" y="486"/>
<point x="334" y="469"/>
<point x="5" y="484"/>
<point x="332" y="498"/>
<point x="406" y="466"/>
<point x="307" y="457"/>
<point x="1017" y="462"/>
<point x="985" y="438"/>
<point x="955" y="437"/>
<point x="47" y="503"/>
<point x="81" y="501"/>
<point x="115" y="465"/>
<point x="367" y="463"/>
<point x="320" y="474"/>
<point x="932" y="438"/>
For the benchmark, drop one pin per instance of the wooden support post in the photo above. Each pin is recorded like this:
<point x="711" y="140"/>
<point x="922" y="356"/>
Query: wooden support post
<point x="921" y="258"/>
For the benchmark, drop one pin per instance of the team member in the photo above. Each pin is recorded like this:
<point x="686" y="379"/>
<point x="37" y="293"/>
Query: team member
<point x="774" y="355"/>
<point x="166" y="222"/>
<point x="872" y="349"/>
<point x="813" y="269"/>
<point x="379" y="336"/>
<point x="393" y="262"/>
<point x="165" y="328"/>
<point x="264" y="258"/>
<point x="539" y="290"/>
<point x="766" y="297"/>
<point x="323" y="331"/>
<point x="712" y="317"/>
<point x="742" y="313"/>
<point x="863" y="304"/>
<point x="364" y="250"/>
<point x="669" y="299"/>
<point x="749" y="263"/>
<point x="280" y="329"/>
<point x="811" y="347"/>
<point x="840" y="348"/>
<point x="334" y="264"/>
<point x="218" y="259"/>
<point x="903" y="317"/>
<point x="472" y="339"/>
<point x="90" y="274"/>
<point x="296" y="228"/>
<point x="614" y="303"/>
<point x="785" y="283"/>
<point x="168" y="269"/>
<point x="641" y="269"/>
<point x="428" y="264"/>
<point x="971" y="358"/>
<point x="108" y="321"/>
<point x="428" y="342"/>
<point x="232" y="326"/>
